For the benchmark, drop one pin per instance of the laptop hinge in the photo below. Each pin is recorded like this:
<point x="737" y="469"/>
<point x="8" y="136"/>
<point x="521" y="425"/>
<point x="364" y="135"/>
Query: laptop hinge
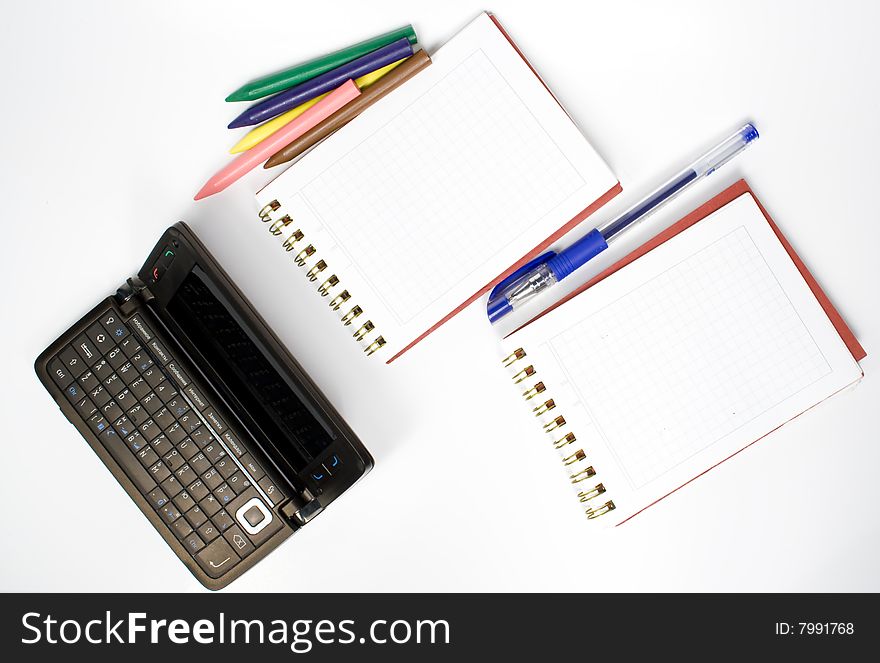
<point x="133" y="293"/>
<point x="302" y="508"/>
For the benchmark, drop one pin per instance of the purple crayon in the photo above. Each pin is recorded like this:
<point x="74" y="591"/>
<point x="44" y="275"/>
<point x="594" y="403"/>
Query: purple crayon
<point x="299" y="94"/>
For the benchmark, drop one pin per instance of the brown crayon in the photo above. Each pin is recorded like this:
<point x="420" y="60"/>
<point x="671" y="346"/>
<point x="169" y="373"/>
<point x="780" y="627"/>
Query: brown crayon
<point x="370" y="95"/>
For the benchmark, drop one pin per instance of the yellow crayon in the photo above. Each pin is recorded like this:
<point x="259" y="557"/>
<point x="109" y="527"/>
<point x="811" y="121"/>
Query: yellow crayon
<point x="263" y="131"/>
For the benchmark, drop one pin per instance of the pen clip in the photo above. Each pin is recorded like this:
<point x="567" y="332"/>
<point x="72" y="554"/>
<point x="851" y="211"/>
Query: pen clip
<point x="502" y="286"/>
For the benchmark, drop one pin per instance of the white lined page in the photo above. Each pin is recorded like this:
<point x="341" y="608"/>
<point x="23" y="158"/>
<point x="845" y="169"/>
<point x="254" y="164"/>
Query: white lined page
<point x="687" y="355"/>
<point x="432" y="193"/>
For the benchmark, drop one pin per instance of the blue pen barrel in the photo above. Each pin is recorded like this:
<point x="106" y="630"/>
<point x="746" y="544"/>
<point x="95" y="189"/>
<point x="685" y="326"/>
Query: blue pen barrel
<point x="587" y="247"/>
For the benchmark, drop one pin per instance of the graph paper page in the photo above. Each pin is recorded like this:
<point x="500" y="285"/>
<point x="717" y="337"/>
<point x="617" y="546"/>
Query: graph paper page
<point x="435" y="191"/>
<point x="687" y="355"/>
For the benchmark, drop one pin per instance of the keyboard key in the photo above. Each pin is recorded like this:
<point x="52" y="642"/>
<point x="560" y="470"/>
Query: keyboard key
<point x="169" y="513"/>
<point x="184" y="501"/>
<point x="201" y="437"/>
<point x="125" y="399"/>
<point x="226" y="467"/>
<point x="196" y="516"/>
<point x="159" y="471"/>
<point x="187" y="448"/>
<point x="181" y="378"/>
<point x="147" y="456"/>
<point x="161" y="445"/>
<point x="214" y="420"/>
<point x="153" y="376"/>
<point x="139" y="387"/>
<point x="149" y="429"/>
<point x="185" y="475"/>
<point x="181" y="528"/>
<point x="196" y="397"/>
<point x="152" y="403"/>
<point x="271" y="489"/>
<point x="114" y="384"/>
<point x="130" y="346"/>
<point x="266" y="529"/>
<point x="199" y="463"/>
<point x="233" y="444"/>
<point x="116" y="358"/>
<point x="217" y="558"/>
<point x="98" y="423"/>
<point x="127" y="461"/>
<point x="159" y="351"/>
<point x="88" y="381"/>
<point x="157" y="498"/>
<point x="166" y="390"/>
<point x="224" y="494"/>
<point x="177" y="406"/>
<point x="190" y="422"/>
<point x="251" y="466"/>
<point x="198" y="490"/>
<point x="138" y="416"/>
<point x="136" y="322"/>
<point x="239" y="541"/>
<point x="166" y="422"/>
<point x="111" y="410"/>
<point x="99" y="396"/>
<point x="113" y="326"/>
<point x="127" y="372"/>
<point x="142" y="361"/>
<point x="102" y="340"/>
<point x="171" y="486"/>
<point x="212" y="479"/>
<point x="208" y="531"/>
<point x="86" y="349"/>
<point x="102" y="369"/>
<point x="123" y="425"/>
<point x="239" y="482"/>
<point x="222" y="520"/>
<point x="210" y="505"/>
<point x="175" y="431"/>
<point x="136" y="442"/>
<point x="72" y="361"/>
<point x="60" y="373"/>
<point x="174" y="460"/>
<point x="214" y="452"/>
<point x="193" y="543"/>
<point x="85" y="407"/>
<point x="74" y="392"/>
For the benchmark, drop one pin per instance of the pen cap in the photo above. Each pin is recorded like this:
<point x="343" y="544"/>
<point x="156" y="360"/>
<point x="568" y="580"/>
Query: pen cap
<point x="729" y="148"/>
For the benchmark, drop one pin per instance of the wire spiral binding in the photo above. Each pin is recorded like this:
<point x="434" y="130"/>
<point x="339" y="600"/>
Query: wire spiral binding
<point x="279" y="226"/>
<point x="581" y="473"/>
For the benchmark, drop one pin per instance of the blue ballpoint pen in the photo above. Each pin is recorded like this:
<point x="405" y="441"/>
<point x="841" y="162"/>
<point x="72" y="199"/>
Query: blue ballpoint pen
<point x="550" y="268"/>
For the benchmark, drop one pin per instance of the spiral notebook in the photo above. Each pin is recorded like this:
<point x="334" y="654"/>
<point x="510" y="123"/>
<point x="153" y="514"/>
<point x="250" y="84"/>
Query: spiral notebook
<point x="683" y="354"/>
<point x="419" y="205"/>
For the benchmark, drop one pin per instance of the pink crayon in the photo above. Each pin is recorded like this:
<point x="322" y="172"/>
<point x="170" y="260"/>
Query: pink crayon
<point x="247" y="161"/>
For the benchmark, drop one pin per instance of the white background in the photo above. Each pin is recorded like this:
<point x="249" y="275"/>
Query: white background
<point x="113" y="117"/>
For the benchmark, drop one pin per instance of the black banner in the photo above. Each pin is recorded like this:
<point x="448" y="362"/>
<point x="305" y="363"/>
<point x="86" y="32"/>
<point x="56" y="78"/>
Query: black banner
<point x="279" y="627"/>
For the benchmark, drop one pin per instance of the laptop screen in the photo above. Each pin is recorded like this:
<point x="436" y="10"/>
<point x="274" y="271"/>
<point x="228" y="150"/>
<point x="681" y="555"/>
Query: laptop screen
<point x="247" y="376"/>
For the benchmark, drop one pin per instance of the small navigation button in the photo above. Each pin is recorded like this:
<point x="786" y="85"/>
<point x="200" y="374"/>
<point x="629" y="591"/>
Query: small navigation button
<point x="114" y="326"/>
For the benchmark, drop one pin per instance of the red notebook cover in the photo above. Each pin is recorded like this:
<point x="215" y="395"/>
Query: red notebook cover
<point x="704" y="210"/>
<point x="543" y="246"/>
<point x="716" y="203"/>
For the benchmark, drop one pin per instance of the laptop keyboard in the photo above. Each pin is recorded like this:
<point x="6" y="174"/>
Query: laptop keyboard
<point x="170" y="439"/>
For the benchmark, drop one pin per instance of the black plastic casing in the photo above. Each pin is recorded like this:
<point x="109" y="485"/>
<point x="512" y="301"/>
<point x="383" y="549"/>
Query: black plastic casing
<point x="147" y="297"/>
